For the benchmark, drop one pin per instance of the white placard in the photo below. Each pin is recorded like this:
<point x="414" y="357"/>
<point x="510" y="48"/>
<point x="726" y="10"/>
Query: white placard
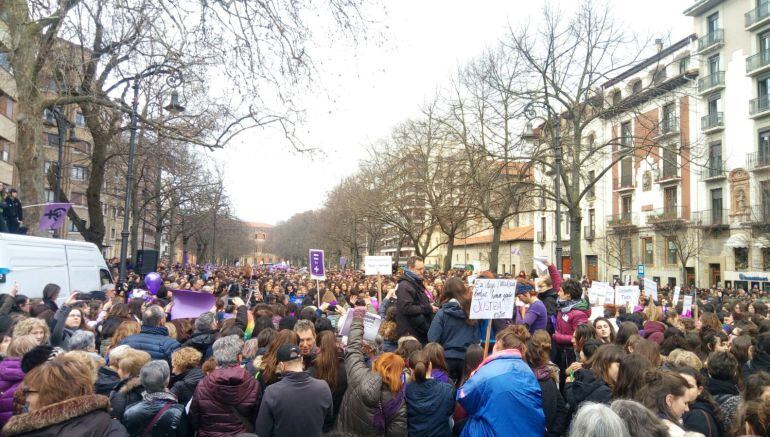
<point x="493" y="299"/>
<point x="651" y="289"/>
<point x="596" y="312"/>
<point x="675" y="300"/>
<point x="472" y="279"/>
<point x="627" y="296"/>
<point x="599" y="292"/>
<point x="372" y="324"/>
<point x="540" y="264"/>
<point x="687" y="305"/>
<point x="378" y="265"/>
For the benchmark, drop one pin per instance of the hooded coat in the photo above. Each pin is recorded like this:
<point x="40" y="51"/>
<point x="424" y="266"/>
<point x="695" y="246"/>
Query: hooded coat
<point x="502" y="398"/>
<point x="11" y="376"/>
<point x="127" y="393"/>
<point x="653" y="331"/>
<point x="586" y="387"/>
<point x="183" y="385"/>
<point x="413" y="308"/>
<point x="429" y="405"/>
<point x="365" y="393"/>
<point x="202" y="341"/>
<point x="107" y="380"/>
<point x="451" y="330"/>
<point x="82" y="416"/>
<point x="218" y="397"/>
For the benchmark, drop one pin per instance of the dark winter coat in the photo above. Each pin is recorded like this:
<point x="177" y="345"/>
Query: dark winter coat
<point x="183" y="385"/>
<point x="586" y="387"/>
<point x="202" y="341"/>
<point x="451" y="330"/>
<point x="155" y="341"/>
<point x="760" y="363"/>
<point x="60" y="334"/>
<point x="295" y="392"/>
<point x="365" y="393"/>
<point x="218" y="397"/>
<point x="172" y="423"/>
<point x="429" y="405"/>
<point x="702" y="418"/>
<point x="11" y="376"/>
<point x="413" y="309"/>
<point x="555" y="409"/>
<point x="83" y="416"/>
<point x="727" y="395"/>
<point x="13" y="212"/>
<point x="107" y="380"/>
<point x="337" y="394"/>
<point x="127" y="393"/>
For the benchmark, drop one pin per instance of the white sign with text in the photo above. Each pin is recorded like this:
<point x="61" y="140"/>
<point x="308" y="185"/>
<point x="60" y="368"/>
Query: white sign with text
<point x="493" y="299"/>
<point x="378" y="265"/>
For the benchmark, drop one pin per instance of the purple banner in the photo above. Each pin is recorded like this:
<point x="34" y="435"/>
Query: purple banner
<point x="191" y="304"/>
<point x="53" y="215"/>
<point x="317" y="264"/>
<point x="343" y="262"/>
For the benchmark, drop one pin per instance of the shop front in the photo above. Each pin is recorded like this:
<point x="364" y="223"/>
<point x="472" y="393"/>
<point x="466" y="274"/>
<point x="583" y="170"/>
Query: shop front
<point x="747" y="280"/>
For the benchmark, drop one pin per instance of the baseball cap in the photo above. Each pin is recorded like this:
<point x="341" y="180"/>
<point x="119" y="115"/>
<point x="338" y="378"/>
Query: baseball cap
<point x="287" y="352"/>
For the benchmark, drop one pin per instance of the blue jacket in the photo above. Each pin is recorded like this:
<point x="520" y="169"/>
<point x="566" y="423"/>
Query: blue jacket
<point x="429" y="405"/>
<point x="451" y="330"/>
<point x="155" y="341"/>
<point x="502" y="398"/>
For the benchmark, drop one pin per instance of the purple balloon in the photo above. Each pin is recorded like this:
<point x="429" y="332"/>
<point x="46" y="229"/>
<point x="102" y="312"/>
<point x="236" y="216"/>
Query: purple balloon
<point x="153" y="282"/>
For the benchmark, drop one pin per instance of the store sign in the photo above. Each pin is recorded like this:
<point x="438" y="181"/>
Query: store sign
<point x="745" y="277"/>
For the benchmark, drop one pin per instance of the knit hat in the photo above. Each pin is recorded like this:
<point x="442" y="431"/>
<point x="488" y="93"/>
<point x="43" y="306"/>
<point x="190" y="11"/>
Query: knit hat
<point x="523" y="288"/>
<point x="37" y="356"/>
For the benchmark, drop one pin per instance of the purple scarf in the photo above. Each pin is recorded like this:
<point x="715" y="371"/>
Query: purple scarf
<point x="389" y="409"/>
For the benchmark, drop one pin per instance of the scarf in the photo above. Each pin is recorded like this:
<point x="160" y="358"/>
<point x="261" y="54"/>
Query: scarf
<point x="162" y="396"/>
<point x="414" y="277"/>
<point x="568" y="305"/>
<point x="388" y="410"/>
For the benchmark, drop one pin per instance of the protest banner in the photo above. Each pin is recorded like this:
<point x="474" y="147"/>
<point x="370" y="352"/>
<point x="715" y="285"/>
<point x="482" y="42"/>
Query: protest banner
<point x="627" y="296"/>
<point x="687" y="306"/>
<point x="191" y="304"/>
<point x="492" y="299"/>
<point x="372" y="324"/>
<point x="651" y="289"/>
<point x="317" y="272"/>
<point x="378" y="265"/>
<point x="675" y="300"/>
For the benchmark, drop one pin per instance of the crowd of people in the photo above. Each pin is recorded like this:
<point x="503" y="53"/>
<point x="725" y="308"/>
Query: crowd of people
<point x="269" y="359"/>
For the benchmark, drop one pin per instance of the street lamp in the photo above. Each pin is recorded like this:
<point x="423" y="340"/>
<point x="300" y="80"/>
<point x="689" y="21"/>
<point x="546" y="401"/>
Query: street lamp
<point x="529" y="135"/>
<point x="174" y="79"/>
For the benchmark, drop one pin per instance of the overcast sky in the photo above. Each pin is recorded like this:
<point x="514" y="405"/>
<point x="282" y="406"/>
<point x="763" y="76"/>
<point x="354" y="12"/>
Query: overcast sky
<point x="365" y="90"/>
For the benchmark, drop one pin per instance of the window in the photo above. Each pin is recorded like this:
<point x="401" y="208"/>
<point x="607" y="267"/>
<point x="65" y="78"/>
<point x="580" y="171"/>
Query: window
<point x="6" y="106"/>
<point x="82" y="146"/>
<point x="670" y="199"/>
<point x="48" y="116"/>
<point x="51" y="140"/>
<point x="592" y="186"/>
<point x="647" y="251"/>
<point x="670" y="251"/>
<point x="542" y="229"/>
<point x="591" y="219"/>
<point x="713" y="64"/>
<point x="49" y="196"/>
<point x="765" y="197"/>
<point x="764" y="43"/>
<point x="716" y="206"/>
<point x="79" y="173"/>
<point x="659" y="75"/>
<point x="636" y="87"/>
<point x="765" y="258"/>
<point x="626" y="251"/>
<point x="616" y="98"/>
<point x="741" y="258"/>
<point x="78" y="198"/>
<point x="73" y="227"/>
<point x="625" y="207"/>
<point x="763" y="148"/>
<point x="112" y="234"/>
<point x="626" y="138"/>
<point x="670" y="161"/>
<point x="713" y="104"/>
<point x="80" y="120"/>
<point x="669" y="114"/>
<point x="5" y="150"/>
<point x="114" y="212"/>
<point x="565" y="220"/>
<point x="712" y="25"/>
<point x="684" y="64"/>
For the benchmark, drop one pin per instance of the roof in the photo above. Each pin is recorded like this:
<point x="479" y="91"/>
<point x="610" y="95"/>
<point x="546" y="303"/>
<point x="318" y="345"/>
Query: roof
<point x="651" y="60"/>
<point x="258" y="225"/>
<point x="508" y="234"/>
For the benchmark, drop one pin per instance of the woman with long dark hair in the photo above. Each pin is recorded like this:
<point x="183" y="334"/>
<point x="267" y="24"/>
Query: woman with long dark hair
<point x="452" y="328"/>
<point x="116" y="314"/>
<point x="329" y="366"/>
<point x="605" y="330"/>
<point x="705" y="415"/>
<point x="666" y="394"/>
<point x="50" y="294"/>
<point x="595" y="383"/>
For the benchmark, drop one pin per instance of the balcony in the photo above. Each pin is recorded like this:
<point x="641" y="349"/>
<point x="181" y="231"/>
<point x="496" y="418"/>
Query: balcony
<point x="760" y="215"/>
<point x="758" y="17"/>
<point x="668" y="126"/>
<point x="668" y="216"/>
<point x="700" y="7"/>
<point x="712" y="218"/>
<point x="716" y="169"/>
<point x="758" y="161"/>
<point x="760" y="106"/>
<point x="589" y="232"/>
<point x="758" y="63"/>
<point x="624" y="183"/>
<point x="711" y="41"/>
<point x="712" y="82"/>
<point x="712" y="122"/>
<point x="669" y="174"/>
<point x="623" y="221"/>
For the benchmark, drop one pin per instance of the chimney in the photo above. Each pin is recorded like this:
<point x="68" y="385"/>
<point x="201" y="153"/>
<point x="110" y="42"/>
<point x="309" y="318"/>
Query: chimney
<point x="659" y="44"/>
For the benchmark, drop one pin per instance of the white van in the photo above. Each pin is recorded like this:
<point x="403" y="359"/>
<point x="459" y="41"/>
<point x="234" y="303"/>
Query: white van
<point x="33" y="262"/>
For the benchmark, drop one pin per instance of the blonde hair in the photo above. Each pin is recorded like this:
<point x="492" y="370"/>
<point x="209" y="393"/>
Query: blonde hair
<point x="186" y="358"/>
<point x="683" y="358"/>
<point x="94" y="362"/>
<point x="117" y="353"/>
<point x="21" y="345"/>
<point x="171" y="330"/>
<point x="133" y="361"/>
<point x="653" y="312"/>
<point x="26" y="326"/>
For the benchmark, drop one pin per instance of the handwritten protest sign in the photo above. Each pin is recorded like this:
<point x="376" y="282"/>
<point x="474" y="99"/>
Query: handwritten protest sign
<point x="599" y="292"/>
<point x="675" y="300"/>
<point x="191" y="304"/>
<point x="627" y="296"/>
<point x="651" y="289"/>
<point x="378" y="265"/>
<point x="372" y="324"/>
<point x="493" y="299"/>
<point x="687" y="305"/>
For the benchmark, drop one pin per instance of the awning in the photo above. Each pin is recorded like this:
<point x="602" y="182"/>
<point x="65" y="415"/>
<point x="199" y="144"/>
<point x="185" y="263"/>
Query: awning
<point x="762" y="241"/>
<point x="737" y="241"/>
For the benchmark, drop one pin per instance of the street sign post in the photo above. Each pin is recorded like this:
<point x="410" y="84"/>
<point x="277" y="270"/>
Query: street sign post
<point x="640" y="270"/>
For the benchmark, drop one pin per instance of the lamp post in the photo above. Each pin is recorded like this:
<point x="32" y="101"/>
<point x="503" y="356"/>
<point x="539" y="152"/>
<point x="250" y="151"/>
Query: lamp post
<point x="174" y="79"/>
<point x="554" y="121"/>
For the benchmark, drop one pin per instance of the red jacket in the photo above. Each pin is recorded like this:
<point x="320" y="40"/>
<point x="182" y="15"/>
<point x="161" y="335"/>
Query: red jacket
<point x="566" y="323"/>
<point x="211" y="410"/>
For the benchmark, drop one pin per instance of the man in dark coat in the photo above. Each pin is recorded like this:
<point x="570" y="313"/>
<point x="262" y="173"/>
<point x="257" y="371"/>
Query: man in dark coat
<point x="413" y="308"/>
<point x="153" y="337"/>
<point x="205" y="334"/>
<point x="296" y="392"/>
<point x="13" y="212"/>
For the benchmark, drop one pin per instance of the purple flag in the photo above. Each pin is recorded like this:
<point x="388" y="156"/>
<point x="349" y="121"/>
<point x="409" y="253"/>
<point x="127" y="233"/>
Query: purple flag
<point x="191" y="304"/>
<point x="53" y="215"/>
<point x="317" y="264"/>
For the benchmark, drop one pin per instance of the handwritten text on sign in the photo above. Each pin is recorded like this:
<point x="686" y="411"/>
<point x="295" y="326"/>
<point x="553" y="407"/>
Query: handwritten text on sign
<point x="493" y="299"/>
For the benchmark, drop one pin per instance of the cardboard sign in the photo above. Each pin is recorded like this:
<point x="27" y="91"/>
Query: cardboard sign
<point x="687" y="305"/>
<point x="191" y="304"/>
<point x="675" y="299"/>
<point x="651" y="289"/>
<point x="372" y="324"/>
<point x="599" y="292"/>
<point x="493" y="299"/>
<point x="378" y="265"/>
<point x="627" y="296"/>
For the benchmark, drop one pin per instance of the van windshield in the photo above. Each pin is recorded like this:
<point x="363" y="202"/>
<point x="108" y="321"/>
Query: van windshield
<point x="105" y="277"/>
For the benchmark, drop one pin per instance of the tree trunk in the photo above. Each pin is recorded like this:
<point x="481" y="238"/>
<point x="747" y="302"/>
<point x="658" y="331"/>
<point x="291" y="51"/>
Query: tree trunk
<point x="494" y="246"/>
<point x="30" y="158"/>
<point x="575" y="249"/>
<point x="450" y="246"/>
